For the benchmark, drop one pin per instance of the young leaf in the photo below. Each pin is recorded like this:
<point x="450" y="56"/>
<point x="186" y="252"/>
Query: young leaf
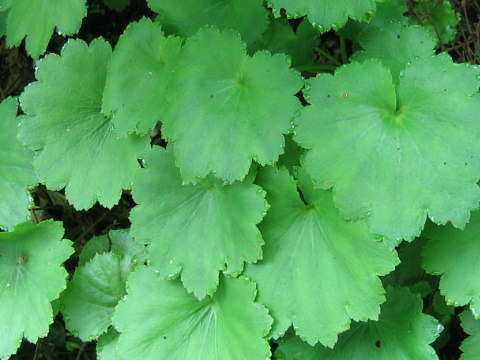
<point x="76" y="144"/>
<point x="454" y="254"/>
<point x="16" y="169"/>
<point x="215" y="222"/>
<point x="396" y="155"/>
<point x="36" y="20"/>
<point x="118" y="242"/>
<point x="107" y="345"/>
<point x="310" y="250"/>
<point x="281" y="38"/>
<point x="184" y="18"/>
<point x="395" y="45"/>
<point x="325" y="15"/>
<point x="471" y="345"/>
<point x="31" y="275"/>
<point x="91" y="296"/>
<point x="176" y="325"/>
<point x="227" y="107"/>
<point x="402" y="332"/>
<point x="138" y="77"/>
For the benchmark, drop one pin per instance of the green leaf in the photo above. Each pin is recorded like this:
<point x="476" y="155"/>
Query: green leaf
<point x="310" y="250"/>
<point x="459" y="273"/>
<point x="116" y="241"/>
<point x="228" y="108"/>
<point x="184" y="18"/>
<point x="176" y="325"/>
<point x="471" y="345"/>
<point x="107" y="344"/>
<point x="138" y="77"/>
<point x="396" y="154"/>
<point x="299" y="44"/>
<point x="325" y="15"/>
<point x="92" y="294"/>
<point x="16" y="169"/>
<point x="31" y="276"/>
<point x="402" y="332"/>
<point x="395" y="45"/>
<point x="77" y="147"/>
<point x="36" y="21"/>
<point x="215" y="222"/>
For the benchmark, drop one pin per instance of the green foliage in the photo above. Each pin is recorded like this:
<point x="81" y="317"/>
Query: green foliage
<point x="36" y="21"/>
<point x="16" y="169"/>
<point x="73" y="139"/>
<point x="289" y="163"/>
<point x="228" y="325"/>
<point x="31" y="276"/>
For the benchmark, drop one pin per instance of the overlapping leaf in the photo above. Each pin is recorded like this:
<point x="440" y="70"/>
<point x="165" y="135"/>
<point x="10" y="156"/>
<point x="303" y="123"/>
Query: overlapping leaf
<point x="16" y="169"/>
<point x="184" y="18"/>
<point x="318" y="271"/>
<point x="36" y="21"/>
<point x="325" y="15"/>
<point x="107" y="344"/>
<point x="299" y="44"/>
<point x="228" y="108"/>
<point x="471" y="345"/>
<point x="93" y="293"/>
<point x="454" y="254"/>
<point x="215" y="222"/>
<point x="138" y="77"/>
<point x="77" y="147"/>
<point x="396" y="154"/>
<point x="395" y="45"/>
<point x="175" y="325"/>
<point x="31" y="276"/>
<point x="402" y="332"/>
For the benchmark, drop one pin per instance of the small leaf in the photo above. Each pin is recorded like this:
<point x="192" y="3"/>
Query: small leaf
<point x="31" y="276"/>
<point x="175" y="325"/>
<point x="215" y="222"/>
<point x="36" y="20"/>
<point x="459" y="272"/>
<point x="117" y="5"/>
<point x="402" y="332"/>
<point x="228" y="108"/>
<point x="77" y="147"/>
<point x="310" y="250"/>
<point x="16" y="169"/>
<point x="107" y="344"/>
<point x="471" y="345"/>
<point x="396" y="154"/>
<point x="325" y="15"/>
<point x="185" y="17"/>
<point x="92" y="294"/>
<point x="138" y="77"/>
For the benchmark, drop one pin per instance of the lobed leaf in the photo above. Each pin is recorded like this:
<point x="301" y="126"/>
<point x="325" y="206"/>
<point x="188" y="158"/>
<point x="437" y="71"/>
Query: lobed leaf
<point x="139" y="76"/>
<point x="309" y="251"/>
<point x="36" y="21"/>
<point x="215" y="222"/>
<point x="459" y="273"/>
<point x="16" y="169"/>
<point x="176" y="325"/>
<point x="325" y="15"/>
<point x="395" y="154"/>
<point x="76" y="145"/>
<point x="402" y="332"/>
<point x="471" y="345"/>
<point x="248" y="17"/>
<point x="31" y="276"/>
<point x="228" y="108"/>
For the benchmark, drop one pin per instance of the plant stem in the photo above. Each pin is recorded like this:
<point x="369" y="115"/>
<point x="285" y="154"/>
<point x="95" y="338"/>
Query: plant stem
<point x="328" y="56"/>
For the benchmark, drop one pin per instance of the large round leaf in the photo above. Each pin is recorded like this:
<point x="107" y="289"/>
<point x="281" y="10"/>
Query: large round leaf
<point x="396" y="154"/>
<point x="228" y="108"/>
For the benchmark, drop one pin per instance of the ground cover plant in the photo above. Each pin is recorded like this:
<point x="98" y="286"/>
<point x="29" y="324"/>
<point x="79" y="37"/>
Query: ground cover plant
<point x="240" y="180"/>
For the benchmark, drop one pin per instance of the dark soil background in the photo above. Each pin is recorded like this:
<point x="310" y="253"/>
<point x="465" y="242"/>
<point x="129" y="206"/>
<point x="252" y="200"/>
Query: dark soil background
<point x="17" y="70"/>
